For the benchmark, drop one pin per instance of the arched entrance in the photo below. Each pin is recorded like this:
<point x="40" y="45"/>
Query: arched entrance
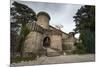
<point x="46" y="42"/>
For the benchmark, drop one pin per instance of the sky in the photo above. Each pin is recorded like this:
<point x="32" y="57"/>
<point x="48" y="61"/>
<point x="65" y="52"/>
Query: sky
<point x="60" y="13"/>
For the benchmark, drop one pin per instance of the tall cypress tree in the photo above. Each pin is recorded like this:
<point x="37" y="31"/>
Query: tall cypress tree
<point x="21" y="14"/>
<point x="85" y="25"/>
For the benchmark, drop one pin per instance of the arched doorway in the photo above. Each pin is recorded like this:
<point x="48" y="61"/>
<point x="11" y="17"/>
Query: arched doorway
<point x="46" y="42"/>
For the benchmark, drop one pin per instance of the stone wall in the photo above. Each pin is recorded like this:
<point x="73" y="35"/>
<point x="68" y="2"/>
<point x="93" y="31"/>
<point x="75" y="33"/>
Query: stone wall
<point x="41" y="29"/>
<point x="43" y="21"/>
<point x="64" y="35"/>
<point x="69" y="43"/>
<point x="56" y="42"/>
<point x="33" y="42"/>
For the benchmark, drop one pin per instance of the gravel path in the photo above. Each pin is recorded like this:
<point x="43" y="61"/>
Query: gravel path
<point x="58" y="59"/>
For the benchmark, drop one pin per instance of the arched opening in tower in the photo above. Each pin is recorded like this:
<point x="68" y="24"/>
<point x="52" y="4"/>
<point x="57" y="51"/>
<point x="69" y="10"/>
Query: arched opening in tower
<point x="46" y="42"/>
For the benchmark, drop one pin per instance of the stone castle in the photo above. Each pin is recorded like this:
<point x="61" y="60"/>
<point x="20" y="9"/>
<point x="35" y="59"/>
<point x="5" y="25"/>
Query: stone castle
<point x="46" y="39"/>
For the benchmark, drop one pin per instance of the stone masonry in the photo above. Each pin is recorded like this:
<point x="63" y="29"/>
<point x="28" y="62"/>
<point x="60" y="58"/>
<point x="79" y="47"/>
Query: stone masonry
<point x="45" y="38"/>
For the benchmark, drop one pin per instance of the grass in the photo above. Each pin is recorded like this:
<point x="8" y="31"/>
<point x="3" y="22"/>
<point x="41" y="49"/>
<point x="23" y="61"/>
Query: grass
<point x="18" y="59"/>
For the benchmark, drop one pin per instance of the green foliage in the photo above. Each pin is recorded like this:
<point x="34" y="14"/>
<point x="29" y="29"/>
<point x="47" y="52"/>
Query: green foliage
<point x="89" y="41"/>
<point x="77" y="51"/>
<point x="18" y="59"/>
<point x="85" y="18"/>
<point x="85" y="25"/>
<point x="80" y="49"/>
<point x="24" y="32"/>
<point x="21" y="14"/>
<point x="15" y="38"/>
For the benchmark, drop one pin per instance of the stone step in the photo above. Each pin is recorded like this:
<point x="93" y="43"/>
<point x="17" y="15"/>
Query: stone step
<point x="51" y="50"/>
<point x="50" y="54"/>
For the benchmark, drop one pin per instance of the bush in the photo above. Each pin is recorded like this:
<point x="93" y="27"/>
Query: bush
<point x="15" y="59"/>
<point x="18" y="59"/>
<point x="80" y="49"/>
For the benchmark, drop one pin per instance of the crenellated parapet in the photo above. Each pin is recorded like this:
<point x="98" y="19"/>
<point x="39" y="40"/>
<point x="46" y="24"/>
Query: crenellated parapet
<point x="35" y="27"/>
<point x="55" y="32"/>
<point x="38" y="28"/>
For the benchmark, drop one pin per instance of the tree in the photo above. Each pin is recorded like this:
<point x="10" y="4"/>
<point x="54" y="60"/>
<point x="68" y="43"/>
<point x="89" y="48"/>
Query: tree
<point x="21" y="15"/>
<point x="85" y="25"/>
<point x="59" y="26"/>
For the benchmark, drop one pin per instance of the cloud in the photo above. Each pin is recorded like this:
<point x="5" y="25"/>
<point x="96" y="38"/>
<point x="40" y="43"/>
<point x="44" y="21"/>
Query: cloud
<point x="59" y="13"/>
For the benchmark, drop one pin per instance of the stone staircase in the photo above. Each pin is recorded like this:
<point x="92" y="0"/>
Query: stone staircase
<point x="53" y="52"/>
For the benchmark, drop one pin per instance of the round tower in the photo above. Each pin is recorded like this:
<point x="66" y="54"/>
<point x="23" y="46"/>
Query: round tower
<point x="43" y="19"/>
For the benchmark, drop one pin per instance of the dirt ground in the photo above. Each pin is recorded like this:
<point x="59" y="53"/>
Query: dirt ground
<point x="58" y="59"/>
